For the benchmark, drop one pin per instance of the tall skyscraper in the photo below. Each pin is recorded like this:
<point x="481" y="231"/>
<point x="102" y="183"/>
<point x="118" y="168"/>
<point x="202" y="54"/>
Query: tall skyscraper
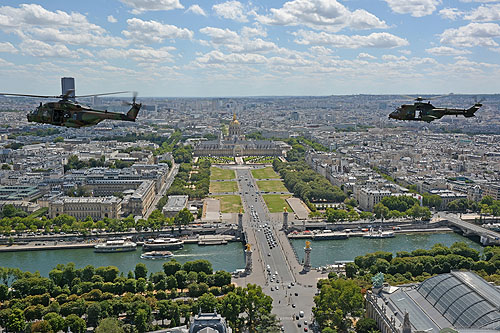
<point x="68" y="83"/>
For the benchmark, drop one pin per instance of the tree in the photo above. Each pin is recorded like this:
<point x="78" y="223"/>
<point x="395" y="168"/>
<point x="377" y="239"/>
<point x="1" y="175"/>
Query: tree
<point x="380" y="211"/>
<point x="207" y="302"/>
<point x="366" y="325"/>
<point x="55" y="321"/>
<point x="109" y="325"/>
<point x="41" y="326"/>
<point x="140" y="271"/>
<point x="75" y="324"/>
<point x="141" y="320"/>
<point x="337" y="300"/>
<point x="181" y="277"/>
<point x="94" y="313"/>
<point x="183" y="217"/>
<point x="16" y="321"/>
<point x="256" y="305"/>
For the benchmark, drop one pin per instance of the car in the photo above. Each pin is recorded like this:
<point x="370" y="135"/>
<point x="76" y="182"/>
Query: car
<point x="301" y="314"/>
<point x="272" y="288"/>
<point x="299" y="324"/>
<point x="277" y="287"/>
<point x="305" y="322"/>
<point x="289" y="286"/>
<point x="269" y="254"/>
<point x="305" y="329"/>
<point x="296" y="294"/>
<point x="293" y="306"/>
<point x="296" y="316"/>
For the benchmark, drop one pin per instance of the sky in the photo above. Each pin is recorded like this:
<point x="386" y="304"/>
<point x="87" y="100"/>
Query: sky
<point x="194" y="48"/>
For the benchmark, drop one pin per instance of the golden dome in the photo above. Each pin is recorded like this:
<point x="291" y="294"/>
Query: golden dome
<point x="235" y="121"/>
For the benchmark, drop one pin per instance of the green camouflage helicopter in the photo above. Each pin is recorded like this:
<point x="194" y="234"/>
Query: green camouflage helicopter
<point x="67" y="112"/>
<point x="422" y="111"/>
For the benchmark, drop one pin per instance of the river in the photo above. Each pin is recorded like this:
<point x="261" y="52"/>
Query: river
<point x="226" y="257"/>
<point x="328" y="251"/>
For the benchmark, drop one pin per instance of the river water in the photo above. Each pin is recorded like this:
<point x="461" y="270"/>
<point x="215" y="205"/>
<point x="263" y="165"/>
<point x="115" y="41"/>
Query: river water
<point x="226" y="257"/>
<point x="327" y="252"/>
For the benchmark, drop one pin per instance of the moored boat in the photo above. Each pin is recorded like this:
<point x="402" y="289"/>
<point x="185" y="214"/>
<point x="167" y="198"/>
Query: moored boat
<point x="115" y="245"/>
<point x="157" y="255"/>
<point x="330" y="235"/>
<point x="379" y="234"/>
<point x="160" y="244"/>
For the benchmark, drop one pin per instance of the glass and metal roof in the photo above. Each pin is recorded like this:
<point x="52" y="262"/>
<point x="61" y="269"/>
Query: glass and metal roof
<point x="464" y="298"/>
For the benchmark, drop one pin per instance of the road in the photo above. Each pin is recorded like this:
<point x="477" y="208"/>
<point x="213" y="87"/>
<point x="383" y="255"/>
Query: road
<point x="163" y="190"/>
<point x="291" y="291"/>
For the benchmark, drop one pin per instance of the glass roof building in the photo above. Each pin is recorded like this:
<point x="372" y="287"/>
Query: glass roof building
<point x="463" y="298"/>
<point x="462" y="301"/>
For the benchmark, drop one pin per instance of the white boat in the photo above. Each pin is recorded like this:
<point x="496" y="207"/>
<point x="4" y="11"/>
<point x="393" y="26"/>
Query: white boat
<point x="379" y="234"/>
<point x="163" y="244"/>
<point x="157" y="255"/>
<point x="115" y="245"/>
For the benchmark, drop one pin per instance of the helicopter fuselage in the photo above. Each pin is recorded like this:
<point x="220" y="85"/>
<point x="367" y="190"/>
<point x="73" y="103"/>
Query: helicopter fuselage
<point x="69" y="114"/>
<point x="420" y="111"/>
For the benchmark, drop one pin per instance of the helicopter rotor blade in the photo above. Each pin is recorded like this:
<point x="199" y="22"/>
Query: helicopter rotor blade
<point x="111" y="93"/>
<point x="27" y="95"/>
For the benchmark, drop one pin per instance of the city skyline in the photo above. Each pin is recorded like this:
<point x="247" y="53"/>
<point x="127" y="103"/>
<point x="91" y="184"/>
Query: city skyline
<point x="240" y="48"/>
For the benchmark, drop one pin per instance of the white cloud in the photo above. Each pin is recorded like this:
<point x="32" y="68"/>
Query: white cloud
<point x="31" y="21"/>
<point x="221" y="36"/>
<point x="416" y="8"/>
<point x="140" y="54"/>
<point x="112" y="19"/>
<point x="450" y="13"/>
<point x="253" y="32"/>
<point x="363" y="55"/>
<point x="446" y="51"/>
<point x="327" y="15"/>
<point x="232" y="10"/>
<point x="391" y="57"/>
<point x="153" y="31"/>
<point x="7" y="48"/>
<point x="196" y="9"/>
<point x="484" y="14"/>
<point x="38" y="48"/>
<point x="140" y="6"/>
<point x="217" y="57"/>
<point x="235" y="43"/>
<point x="473" y="34"/>
<point x="375" y="40"/>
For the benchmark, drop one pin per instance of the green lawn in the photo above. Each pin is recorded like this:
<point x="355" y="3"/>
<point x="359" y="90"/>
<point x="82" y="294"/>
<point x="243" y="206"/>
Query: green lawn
<point x="219" y="187"/>
<point x="229" y="203"/>
<point x="276" y="202"/>
<point x="221" y="174"/>
<point x="264" y="173"/>
<point x="271" y="186"/>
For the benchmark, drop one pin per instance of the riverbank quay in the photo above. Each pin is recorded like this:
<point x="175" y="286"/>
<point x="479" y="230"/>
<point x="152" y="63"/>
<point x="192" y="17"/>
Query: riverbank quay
<point x="40" y="245"/>
<point x="186" y="232"/>
<point x="310" y="235"/>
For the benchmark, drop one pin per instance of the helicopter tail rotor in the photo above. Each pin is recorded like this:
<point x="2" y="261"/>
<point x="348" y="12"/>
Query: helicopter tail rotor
<point x="135" y="107"/>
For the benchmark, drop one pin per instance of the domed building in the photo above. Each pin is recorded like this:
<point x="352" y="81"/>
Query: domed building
<point x="235" y="144"/>
<point x="234" y="128"/>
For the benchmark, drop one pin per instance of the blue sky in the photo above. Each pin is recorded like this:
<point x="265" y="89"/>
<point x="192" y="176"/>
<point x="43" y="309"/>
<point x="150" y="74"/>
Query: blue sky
<point x="251" y="48"/>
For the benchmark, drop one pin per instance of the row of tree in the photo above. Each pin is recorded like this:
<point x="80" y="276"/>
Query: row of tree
<point x="77" y="298"/>
<point x="308" y="185"/>
<point x="420" y="264"/>
<point x="191" y="180"/>
<point x="65" y="223"/>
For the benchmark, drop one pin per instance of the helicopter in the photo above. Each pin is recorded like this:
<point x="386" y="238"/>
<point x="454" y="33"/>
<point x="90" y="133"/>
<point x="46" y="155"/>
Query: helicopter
<point x="425" y="111"/>
<point x="67" y="112"/>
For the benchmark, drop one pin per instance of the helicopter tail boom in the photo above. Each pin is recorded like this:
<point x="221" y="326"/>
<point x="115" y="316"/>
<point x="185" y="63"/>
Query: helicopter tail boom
<point x="134" y="110"/>
<point x="470" y="112"/>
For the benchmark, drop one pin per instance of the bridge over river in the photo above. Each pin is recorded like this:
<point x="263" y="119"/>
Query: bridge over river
<point x="486" y="236"/>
